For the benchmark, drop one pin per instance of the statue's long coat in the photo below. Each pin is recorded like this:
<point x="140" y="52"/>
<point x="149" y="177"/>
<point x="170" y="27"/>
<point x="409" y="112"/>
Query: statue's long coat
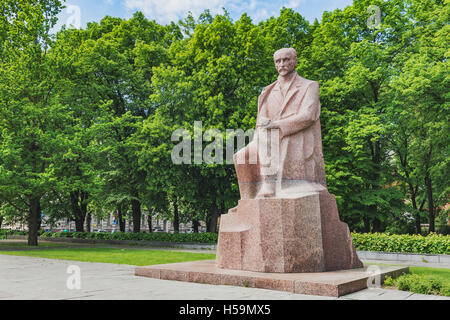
<point x="301" y="157"/>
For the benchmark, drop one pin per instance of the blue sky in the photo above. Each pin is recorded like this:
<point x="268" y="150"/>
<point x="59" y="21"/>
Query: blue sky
<point x="164" y="11"/>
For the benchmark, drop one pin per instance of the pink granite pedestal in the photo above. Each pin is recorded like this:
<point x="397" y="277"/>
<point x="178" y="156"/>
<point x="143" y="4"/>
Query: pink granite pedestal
<point x="297" y="233"/>
<point x="333" y="284"/>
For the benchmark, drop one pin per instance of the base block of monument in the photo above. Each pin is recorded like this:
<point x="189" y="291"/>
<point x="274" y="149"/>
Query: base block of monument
<point x="332" y="284"/>
<point x="298" y="233"/>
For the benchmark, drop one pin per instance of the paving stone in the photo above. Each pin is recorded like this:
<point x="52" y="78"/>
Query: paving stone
<point x="24" y="278"/>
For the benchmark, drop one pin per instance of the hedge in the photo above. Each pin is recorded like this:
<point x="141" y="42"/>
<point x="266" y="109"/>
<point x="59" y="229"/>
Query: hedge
<point x="155" y="236"/>
<point x="430" y="244"/>
<point x="4" y="233"/>
<point x="385" y="242"/>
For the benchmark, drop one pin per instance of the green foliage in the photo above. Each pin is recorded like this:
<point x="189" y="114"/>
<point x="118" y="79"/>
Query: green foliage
<point x="159" y="237"/>
<point x="4" y="233"/>
<point x="33" y="123"/>
<point x="431" y="244"/>
<point x="86" y="116"/>
<point x="389" y="282"/>
<point x="422" y="284"/>
<point x="414" y="283"/>
<point x="445" y="290"/>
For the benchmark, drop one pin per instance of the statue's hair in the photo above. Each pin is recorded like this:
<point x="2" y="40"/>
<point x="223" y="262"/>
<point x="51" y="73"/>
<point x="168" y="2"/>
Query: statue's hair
<point x="291" y="51"/>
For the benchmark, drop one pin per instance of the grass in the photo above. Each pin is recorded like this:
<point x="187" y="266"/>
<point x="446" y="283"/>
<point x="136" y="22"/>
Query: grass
<point x="443" y="274"/>
<point x="434" y="275"/>
<point x="426" y="271"/>
<point x="136" y="257"/>
<point x="24" y="245"/>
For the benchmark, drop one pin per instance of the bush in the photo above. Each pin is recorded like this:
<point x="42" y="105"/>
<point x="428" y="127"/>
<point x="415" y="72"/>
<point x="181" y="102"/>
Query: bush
<point x="445" y="290"/>
<point x="210" y="238"/>
<point x="423" y="287"/>
<point x="414" y="283"/>
<point x="435" y="284"/>
<point x="422" y="284"/>
<point x="389" y="282"/>
<point x="404" y="282"/>
<point x="4" y="233"/>
<point x="431" y="244"/>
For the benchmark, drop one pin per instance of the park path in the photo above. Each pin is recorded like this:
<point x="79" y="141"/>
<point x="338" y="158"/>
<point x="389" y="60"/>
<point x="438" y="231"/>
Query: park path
<point x="25" y="278"/>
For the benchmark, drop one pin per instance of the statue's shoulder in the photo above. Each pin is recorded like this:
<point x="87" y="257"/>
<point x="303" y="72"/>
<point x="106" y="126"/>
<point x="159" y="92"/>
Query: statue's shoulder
<point x="270" y="86"/>
<point x="307" y="82"/>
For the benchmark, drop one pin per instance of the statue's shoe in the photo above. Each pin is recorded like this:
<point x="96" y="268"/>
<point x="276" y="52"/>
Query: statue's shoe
<point x="267" y="190"/>
<point x="233" y="210"/>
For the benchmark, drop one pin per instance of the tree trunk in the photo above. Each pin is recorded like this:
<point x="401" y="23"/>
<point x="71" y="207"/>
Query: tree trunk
<point x="77" y="211"/>
<point x="88" y="222"/>
<point x="150" y="226"/>
<point x="39" y="216"/>
<point x="375" y="149"/>
<point x="212" y="223"/>
<point x="221" y="212"/>
<point x="83" y="204"/>
<point x="428" y="185"/>
<point x="417" y="215"/>
<point x="122" y="221"/>
<point x="376" y="225"/>
<point x="33" y="221"/>
<point x="366" y="225"/>
<point x="418" y="222"/>
<point x="176" y="218"/>
<point x="1" y="221"/>
<point x="137" y="215"/>
<point x="195" y="225"/>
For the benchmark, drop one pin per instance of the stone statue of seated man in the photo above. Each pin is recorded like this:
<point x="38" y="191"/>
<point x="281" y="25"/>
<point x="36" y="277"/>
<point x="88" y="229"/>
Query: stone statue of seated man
<point x="286" y="152"/>
<point x="286" y="220"/>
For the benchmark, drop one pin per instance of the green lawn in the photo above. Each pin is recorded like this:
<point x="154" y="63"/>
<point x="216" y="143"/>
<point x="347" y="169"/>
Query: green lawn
<point x="23" y="244"/>
<point x="137" y="257"/>
<point x="443" y="274"/>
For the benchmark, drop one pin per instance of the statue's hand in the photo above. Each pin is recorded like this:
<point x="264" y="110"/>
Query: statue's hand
<point x="272" y="125"/>
<point x="263" y="122"/>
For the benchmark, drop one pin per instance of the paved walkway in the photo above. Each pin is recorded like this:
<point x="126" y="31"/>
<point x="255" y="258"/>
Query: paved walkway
<point x="42" y="279"/>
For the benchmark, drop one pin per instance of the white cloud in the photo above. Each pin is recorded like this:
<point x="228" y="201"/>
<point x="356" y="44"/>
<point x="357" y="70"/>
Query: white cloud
<point x="165" y="11"/>
<point x="293" y="4"/>
<point x="260" y="14"/>
<point x="171" y="10"/>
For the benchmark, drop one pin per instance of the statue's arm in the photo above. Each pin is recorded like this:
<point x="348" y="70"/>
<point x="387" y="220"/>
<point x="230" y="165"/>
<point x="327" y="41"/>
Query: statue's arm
<point x="309" y="113"/>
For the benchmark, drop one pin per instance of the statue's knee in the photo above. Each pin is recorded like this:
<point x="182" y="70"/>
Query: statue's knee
<point x="239" y="157"/>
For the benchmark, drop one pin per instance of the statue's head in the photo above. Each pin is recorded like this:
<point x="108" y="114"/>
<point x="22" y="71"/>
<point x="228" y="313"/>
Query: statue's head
<point x="285" y="61"/>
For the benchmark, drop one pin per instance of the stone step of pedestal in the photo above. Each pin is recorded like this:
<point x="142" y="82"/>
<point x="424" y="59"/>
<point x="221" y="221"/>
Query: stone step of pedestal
<point x="333" y="283"/>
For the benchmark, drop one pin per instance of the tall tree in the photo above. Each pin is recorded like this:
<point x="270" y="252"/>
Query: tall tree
<point x="32" y="122"/>
<point x="419" y="114"/>
<point x="111" y="64"/>
<point x="354" y="64"/>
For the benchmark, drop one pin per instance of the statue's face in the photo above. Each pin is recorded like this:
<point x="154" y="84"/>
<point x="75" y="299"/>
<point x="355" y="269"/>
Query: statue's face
<point x="285" y="62"/>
